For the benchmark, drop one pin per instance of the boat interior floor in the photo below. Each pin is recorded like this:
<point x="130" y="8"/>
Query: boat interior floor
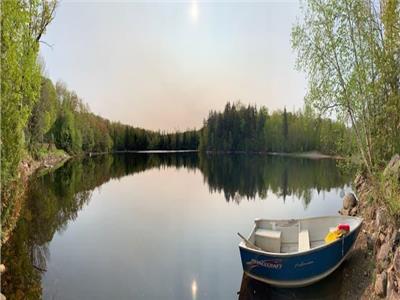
<point x="290" y="236"/>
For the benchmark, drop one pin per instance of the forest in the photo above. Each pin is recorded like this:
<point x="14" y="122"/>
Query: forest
<point x="241" y="128"/>
<point x="61" y="118"/>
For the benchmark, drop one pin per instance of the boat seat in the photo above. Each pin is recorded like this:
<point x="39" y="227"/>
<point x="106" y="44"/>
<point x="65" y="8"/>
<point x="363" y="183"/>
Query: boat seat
<point x="304" y="240"/>
<point x="268" y="240"/>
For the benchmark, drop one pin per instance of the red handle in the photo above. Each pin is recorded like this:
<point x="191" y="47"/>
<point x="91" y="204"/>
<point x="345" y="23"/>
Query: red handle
<point x="345" y="227"/>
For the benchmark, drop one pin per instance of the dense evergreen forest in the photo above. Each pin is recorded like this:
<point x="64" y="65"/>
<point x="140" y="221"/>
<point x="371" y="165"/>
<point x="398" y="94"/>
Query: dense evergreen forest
<point x="248" y="129"/>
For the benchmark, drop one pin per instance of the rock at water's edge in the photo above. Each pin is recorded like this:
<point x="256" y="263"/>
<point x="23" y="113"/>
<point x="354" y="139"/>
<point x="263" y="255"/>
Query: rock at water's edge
<point x="349" y="201"/>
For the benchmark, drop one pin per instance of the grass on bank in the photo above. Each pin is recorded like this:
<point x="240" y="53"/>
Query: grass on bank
<point x="390" y="191"/>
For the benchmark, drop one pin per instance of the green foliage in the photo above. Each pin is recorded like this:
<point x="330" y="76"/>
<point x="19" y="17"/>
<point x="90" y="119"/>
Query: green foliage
<point x="19" y="82"/>
<point x="22" y="25"/>
<point x="247" y="129"/>
<point x="62" y="118"/>
<point x="349" y="50"/>
<point x="285" y="130"/>
<point x="43" y="116"/>
<point x="389" y="191"/>
<point x="66" y="133"/>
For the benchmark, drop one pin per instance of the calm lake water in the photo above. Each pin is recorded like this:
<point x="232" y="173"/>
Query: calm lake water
<point x="161" y="226"/>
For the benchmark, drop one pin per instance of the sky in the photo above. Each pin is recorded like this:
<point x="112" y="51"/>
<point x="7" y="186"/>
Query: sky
<point x="165" y="65"/>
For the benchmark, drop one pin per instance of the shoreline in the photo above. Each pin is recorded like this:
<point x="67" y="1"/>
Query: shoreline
<point x="13" y="196"/>
<point x="309" y="155"/>
<point x="373" y="270"/>
<point x="52" y="161"/>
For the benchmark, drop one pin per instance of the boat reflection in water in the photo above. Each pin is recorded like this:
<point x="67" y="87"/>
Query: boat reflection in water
<point x="327" y="288"/>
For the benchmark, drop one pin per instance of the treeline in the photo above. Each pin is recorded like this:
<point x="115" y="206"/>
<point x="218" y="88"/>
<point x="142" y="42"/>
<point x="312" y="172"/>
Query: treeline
<point x="61" y="118"/>
<point x="248" y="129"/>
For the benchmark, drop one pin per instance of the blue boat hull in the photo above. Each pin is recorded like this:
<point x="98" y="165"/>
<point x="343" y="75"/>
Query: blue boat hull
<point x="297" y="269"/>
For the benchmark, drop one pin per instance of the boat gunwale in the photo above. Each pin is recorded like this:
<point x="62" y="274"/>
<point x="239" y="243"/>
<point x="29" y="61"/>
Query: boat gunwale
<point x="298" y="253"/>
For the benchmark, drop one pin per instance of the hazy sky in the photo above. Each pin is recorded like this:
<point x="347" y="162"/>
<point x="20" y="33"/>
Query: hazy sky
<point x="164" y="65"/>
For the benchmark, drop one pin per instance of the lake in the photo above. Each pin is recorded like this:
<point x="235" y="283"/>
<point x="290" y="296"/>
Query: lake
<point x="161" y="225"/>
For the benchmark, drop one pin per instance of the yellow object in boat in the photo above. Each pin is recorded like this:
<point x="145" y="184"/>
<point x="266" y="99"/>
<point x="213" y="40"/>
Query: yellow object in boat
<point x="334" y="235"/>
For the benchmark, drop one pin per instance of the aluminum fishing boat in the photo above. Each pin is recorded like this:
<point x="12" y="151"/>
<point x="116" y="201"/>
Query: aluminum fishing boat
<point x="294" y="253"/>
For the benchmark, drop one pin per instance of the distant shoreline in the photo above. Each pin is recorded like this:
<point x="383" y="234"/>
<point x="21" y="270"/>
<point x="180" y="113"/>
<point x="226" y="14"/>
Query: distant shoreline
<point x="310" y="155"/>
<point x="140" y="151"/>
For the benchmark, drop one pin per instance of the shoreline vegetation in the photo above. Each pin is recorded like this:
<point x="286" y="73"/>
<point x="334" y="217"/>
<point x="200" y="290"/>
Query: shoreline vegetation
<point x="349" y="51"/>
<point x="375" y="263"/>
<point x="28" y="169"/>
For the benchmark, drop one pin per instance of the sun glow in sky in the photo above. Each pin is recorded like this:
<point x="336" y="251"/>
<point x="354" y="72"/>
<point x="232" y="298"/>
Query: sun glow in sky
<point x="165" y="65"/>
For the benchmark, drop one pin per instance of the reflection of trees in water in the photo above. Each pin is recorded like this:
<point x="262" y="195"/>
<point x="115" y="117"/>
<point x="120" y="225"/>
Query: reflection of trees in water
<point x="249" y="176"/>
<point x="52" y="201"/>
<point x="56" y="198"/>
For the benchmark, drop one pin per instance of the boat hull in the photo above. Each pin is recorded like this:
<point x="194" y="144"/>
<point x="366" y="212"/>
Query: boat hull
<point x="297" y="269"/>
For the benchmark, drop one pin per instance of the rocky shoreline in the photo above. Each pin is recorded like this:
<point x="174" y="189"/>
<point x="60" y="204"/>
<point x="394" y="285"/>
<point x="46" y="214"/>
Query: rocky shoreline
<point x="13" y="195"/>
<point x="30" y="166"/>
<point x="374" y="268"/>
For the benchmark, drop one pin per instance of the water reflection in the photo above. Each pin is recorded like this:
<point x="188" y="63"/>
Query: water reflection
<point x="194" y="290"/>
<point x="328" y="288"/>
<point x="55" y="199"/>
<point x="248" y="176"/>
